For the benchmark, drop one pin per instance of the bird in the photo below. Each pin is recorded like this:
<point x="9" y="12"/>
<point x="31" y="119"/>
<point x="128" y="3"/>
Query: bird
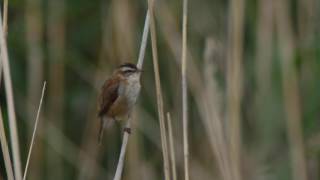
<point x="118" y="96"/>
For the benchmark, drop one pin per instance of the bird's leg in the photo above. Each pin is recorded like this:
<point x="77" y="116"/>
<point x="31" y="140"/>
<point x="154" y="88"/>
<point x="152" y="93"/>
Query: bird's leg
<point x="127" y="129"/>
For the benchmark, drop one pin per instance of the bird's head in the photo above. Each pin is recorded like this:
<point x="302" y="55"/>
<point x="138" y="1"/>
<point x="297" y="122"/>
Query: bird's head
<point x="128" y="70"/>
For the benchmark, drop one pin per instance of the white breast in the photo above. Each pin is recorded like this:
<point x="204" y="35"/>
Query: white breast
<point x="130" y="90"/>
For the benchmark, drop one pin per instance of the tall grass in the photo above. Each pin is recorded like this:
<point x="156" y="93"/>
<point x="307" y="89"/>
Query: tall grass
<point x="233" y="96"/>
<point x="234" y="84"/>
<point x="158" y="90"/>
<point x="5" y="17"/>
<point x="3" y="139"/>
<point x="34" y="133"/>
<point x="70" y="151"/>
<point x="5" y="149"/>
<point x="139" y="65"/>
<point x="11" y="108"/>
<point x="184" y="90"/>
<point x="172" y="149"/>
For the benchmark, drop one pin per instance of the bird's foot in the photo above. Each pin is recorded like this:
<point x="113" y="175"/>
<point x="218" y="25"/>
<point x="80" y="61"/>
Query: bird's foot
<point x="128" y="130"/>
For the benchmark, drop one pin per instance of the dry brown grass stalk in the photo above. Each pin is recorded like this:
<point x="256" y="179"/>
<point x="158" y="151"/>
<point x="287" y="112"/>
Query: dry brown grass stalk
<point x="158" y="90"/>
<point x="34" y="132"/>
<point x="148" y="129"/>
<point x="5" y="149"/>
<point x="206" y="95"/>
<point x="5" y="20"/>
<point x="11" y="109"/>
<point x="171" y="144"/>
<point x="234" y="84"/>
<point x="70" y="150"/>
<point x="4" y="144"/>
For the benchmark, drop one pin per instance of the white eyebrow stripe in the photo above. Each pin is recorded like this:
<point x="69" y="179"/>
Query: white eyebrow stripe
<point x="127" y="69"/>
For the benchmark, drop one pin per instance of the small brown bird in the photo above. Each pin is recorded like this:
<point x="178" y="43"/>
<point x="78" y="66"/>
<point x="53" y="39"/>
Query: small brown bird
<point x="118" y="96"/>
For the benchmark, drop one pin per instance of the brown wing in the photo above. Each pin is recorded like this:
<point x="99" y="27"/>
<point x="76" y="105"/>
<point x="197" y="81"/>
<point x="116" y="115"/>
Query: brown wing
<point x="109" y="95"/>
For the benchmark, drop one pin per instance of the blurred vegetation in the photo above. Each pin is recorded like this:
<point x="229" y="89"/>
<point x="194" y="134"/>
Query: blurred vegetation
<point x="74" y="45"/>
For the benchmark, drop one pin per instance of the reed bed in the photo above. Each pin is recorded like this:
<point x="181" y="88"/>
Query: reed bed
<point x="184" y="90"/>
<point x="14" y="140"/>
<point x="5" y="150"/>
<point x="161" y="117"/>
<point x="139" y="65"/>
<point x="34" y="133"/>
<point x="238" y="78"/>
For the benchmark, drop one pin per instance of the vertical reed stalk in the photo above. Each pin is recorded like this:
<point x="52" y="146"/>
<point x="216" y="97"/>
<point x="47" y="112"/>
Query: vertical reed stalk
<point x="5" y="24"/>
<point x="207" y="94"/>
<point x="172" y="153"/>
<point x="5" y="149"/>
<point x="158" y="90"/>
<point x="70" y="150"/>
<point x="3" y="139"/>
<point x="34" y="132"/>
<point x="234" y="84"/>
<point x="11" y="109"/>
<point x="144" y="41"/>
<point x="184" y="90"/>
<point x="5" y="17"/>
<point x="122" y="153"/>
<point x="139" y="65"/>
<point x="134" y="160"/>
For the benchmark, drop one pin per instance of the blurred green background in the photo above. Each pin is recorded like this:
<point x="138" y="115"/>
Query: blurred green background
<point x="74" y="45"/>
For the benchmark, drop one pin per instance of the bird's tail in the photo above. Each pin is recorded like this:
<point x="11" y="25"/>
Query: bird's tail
<point x="100" y="135"/>
<point x="105" y="122"/>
